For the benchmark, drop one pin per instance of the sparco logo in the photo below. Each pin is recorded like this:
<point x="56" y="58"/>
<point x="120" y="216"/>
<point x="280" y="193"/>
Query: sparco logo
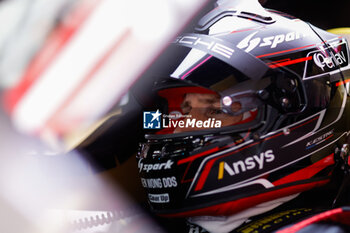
<point x="321" y="60"/>
<point x="154" y="166"/>
<point x="250" y="163"/>
<point x="249" y="43"/>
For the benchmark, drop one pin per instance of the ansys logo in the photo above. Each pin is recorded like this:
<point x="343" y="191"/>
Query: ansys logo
<point x="250" y="163"/>
<point x="151" y="120"/>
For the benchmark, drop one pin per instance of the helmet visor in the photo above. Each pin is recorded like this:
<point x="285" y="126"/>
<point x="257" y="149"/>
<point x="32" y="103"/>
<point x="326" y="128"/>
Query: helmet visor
<point x="202" y="94"/>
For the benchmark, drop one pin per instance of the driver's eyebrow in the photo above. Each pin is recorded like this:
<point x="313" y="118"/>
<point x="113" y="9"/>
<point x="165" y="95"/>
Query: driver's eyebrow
<point x="209" y="100"/>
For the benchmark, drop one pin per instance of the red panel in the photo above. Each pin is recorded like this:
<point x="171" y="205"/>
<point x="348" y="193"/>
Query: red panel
<point x="284" y="51"/>
<point x="55" y="44"/>
<point x="57" y="121"/>
<point x="287" y="63"/>
<point x="307" y="172"/>
<point x="193" y="157"/>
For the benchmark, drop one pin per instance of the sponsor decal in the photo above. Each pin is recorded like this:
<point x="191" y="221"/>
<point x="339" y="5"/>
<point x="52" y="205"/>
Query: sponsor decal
<point x="154" y="166"/>
<point x="250" y="42"/>
<point x="159" y="198"/>
<point x="320" y="139"/>
<point x="322" y="60"/>
<point x="206" y="43"/>
<point x="165" y="182"/>
<point x="269" y="222"/>
<point x="151" y="120"/>
<point x="250" y="163"/>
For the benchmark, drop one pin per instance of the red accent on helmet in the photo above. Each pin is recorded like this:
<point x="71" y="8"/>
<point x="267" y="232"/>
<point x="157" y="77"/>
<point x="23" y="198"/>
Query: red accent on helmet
<point x="307" y="172"/>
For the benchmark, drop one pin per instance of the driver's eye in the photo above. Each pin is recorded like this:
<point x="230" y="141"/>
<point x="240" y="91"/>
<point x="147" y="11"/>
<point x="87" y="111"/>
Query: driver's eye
<point x="186" y="108"/>
<point x="214" y="112"/>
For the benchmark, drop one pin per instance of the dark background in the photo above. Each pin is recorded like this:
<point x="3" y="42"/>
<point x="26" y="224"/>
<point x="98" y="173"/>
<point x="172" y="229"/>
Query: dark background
<point x="325" y="14"/>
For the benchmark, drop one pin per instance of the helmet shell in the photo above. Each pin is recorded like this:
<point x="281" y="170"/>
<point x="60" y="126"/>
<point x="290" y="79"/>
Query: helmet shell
<point x="294" y="148"/>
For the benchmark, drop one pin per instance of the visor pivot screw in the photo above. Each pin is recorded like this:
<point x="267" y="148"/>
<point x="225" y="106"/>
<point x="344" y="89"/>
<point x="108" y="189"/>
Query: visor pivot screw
<point x="256" y="136"/>
<point x="292" y="82"/>
<point x="344" y="152"/>
<point x="285" y="102"/>
<point x="286" y="131"/>
<point x="227" y="101"/>
<point x="263" y="94"/>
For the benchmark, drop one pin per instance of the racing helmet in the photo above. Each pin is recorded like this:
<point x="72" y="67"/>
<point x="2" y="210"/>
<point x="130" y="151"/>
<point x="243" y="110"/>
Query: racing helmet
<point x="248" y="107"/>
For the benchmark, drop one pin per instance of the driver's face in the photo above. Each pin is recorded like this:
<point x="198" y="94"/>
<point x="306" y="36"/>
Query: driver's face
<point x="205" y="106"/>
